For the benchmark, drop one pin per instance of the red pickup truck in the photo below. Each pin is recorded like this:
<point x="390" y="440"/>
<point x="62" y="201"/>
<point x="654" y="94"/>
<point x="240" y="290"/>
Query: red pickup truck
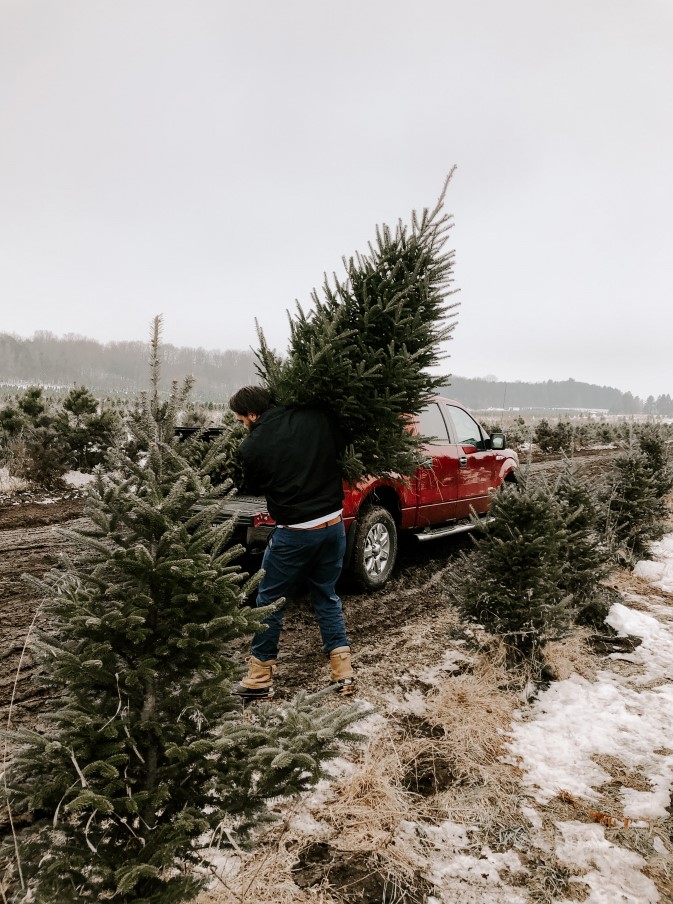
<point x="457" y="471"/>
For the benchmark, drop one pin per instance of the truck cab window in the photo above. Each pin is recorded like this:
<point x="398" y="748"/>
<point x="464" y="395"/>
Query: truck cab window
<point x="431" y="424"/>
<point x="466" y="428"/>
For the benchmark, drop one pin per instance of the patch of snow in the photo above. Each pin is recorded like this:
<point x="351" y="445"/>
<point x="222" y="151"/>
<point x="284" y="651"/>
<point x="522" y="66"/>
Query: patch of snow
<point x="453" y="661"/>
<point x="78" y="478"/>
<point x="339" y="768"/>
<point x="413" y="703"/>
<point x="373" y="724"/>
<point x="305" y="824"/>
<point x="655" y="653"/>
<point x="577" y="719"/>
<point x="660" y="571"/>
<point x="619" y="715"/>
<point x="466" y="879"/>
<point x="459" y="877"/>
<point x="614" y="873"/>
<point x="532" y="816"/>
<point x="9" y="484"/>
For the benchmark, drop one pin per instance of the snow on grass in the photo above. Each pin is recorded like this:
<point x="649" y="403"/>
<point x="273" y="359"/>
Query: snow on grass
<point x="577" y="719"/>
<point x="659" y="571"/>
<point x="9" y="485"/>
<point x="78" y="479"/>
<point x="614" y="874"/>
<point x="627" y="717"/>
<point x="621" y="715"/>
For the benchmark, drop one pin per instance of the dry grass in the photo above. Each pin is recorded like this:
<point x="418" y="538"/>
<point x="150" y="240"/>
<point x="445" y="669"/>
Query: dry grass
<point x="549" y="879"/>
<point x="445" y="763"/>
<point x="471" y="708"/>
<point x="368" y="805"/>
<point x="572" y="655"/>
<point x="621" y="775"/>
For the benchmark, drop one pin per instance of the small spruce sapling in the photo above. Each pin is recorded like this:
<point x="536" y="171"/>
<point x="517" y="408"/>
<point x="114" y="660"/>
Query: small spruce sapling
<point x="653" y="444"/>
<point x="143" y="751"/>
<point x="87" y="433"/>
<point x="513" y="582"/>
<point x="587" y="554"/>
<point x="635" y="515"/>
<point x="31" y="446"/>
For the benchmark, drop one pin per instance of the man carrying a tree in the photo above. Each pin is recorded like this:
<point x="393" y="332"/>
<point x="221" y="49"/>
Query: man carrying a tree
<point x="292" y="457"/>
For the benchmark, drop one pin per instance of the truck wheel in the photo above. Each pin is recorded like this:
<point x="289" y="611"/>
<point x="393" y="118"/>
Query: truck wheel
<point x="374" y="548"/>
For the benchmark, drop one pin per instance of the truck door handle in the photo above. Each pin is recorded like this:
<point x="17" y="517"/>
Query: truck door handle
<point x="462" y="461"/>
<point x="426" y="463"/>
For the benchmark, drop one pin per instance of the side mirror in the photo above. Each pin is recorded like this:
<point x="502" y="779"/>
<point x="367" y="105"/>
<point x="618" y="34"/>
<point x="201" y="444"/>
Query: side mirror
<point x="498" y="441"/>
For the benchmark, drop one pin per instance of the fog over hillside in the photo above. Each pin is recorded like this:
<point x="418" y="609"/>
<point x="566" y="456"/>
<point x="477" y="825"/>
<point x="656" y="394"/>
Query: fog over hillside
<point x="121" y="367"/>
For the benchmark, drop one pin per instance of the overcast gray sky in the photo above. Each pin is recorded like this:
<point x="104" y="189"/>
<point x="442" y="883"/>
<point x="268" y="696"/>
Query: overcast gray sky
<point x="210" y="159"/>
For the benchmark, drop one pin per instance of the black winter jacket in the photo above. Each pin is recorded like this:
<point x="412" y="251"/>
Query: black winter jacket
<point x="292" y="458"/>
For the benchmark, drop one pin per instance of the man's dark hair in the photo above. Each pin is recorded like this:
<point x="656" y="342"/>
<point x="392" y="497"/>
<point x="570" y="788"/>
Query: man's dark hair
<point x="249" y="399"/>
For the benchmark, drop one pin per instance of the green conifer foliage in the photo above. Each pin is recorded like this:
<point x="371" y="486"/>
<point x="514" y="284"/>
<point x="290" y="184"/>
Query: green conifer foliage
<point x="635" y="512"/>
<point x="652" y="441"/>
<point x="514" y="581"/>
<point x="143" y="750"/>
<point x="366" y="348"/>
<point x="31" y="445"/>
<point x="230" y="466"/>
<point x="587" y="554"/>
<point x="87" y="433"/>
<point x="31" y="402"/>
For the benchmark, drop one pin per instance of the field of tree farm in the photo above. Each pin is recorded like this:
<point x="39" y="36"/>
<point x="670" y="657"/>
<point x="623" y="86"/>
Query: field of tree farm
<point x="509" y="740"/>
<point x="443" y="797"/>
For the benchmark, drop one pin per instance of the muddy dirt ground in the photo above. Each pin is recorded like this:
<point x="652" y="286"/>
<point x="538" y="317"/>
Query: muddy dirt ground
<point x="383" y="626"/>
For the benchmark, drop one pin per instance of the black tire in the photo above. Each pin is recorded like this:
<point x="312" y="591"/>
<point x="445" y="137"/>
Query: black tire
<point x="374" y="548"/>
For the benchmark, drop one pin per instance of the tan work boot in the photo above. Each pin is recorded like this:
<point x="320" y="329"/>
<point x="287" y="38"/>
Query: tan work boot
<point x="258" y="683"/>
<point x="342" y="670"/>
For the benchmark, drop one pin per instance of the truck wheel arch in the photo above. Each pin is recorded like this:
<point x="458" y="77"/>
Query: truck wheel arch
<point x="383" y="496"/>
<point x="373" y="547"/>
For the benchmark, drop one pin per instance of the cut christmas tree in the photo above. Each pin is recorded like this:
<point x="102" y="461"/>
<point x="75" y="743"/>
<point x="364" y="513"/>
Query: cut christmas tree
<point x="368" y="348"/>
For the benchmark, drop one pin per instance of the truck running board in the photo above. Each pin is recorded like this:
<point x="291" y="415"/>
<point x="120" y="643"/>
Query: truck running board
<point x="449" y="530"/>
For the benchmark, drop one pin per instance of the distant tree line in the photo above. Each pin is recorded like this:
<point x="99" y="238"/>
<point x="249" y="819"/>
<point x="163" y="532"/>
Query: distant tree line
<point x="482" y="393"/>
<point x="121" y="367"/>
<point x="118" y="366"/>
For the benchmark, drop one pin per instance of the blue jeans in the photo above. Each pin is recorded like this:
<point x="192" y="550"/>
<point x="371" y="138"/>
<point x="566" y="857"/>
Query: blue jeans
<point x="292" y="558"/>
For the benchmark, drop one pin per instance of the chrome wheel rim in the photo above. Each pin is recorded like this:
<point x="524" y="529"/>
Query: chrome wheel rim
<point x="377" y="549"/>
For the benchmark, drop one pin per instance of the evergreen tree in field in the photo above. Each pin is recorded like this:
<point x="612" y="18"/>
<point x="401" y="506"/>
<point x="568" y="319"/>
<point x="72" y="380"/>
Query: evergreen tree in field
<point x="587" y="554"/>
<point x="230" y="466"/>
<point x="31" y="446"/>
<point x="143" y="750"/>
<point x="366" y="348"/>
<point x="31" y="402"/>
<point x="653" y="444"/>
<point x="87" y="433"/>
<point x="514" y="581"/>
<point x="544" y="436"/>
<point x="634" y="511"/>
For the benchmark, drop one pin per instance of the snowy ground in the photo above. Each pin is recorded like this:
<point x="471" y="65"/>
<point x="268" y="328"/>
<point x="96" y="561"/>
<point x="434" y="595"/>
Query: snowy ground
<point x="590" y="773"/>
<point x="9" y="484"/>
